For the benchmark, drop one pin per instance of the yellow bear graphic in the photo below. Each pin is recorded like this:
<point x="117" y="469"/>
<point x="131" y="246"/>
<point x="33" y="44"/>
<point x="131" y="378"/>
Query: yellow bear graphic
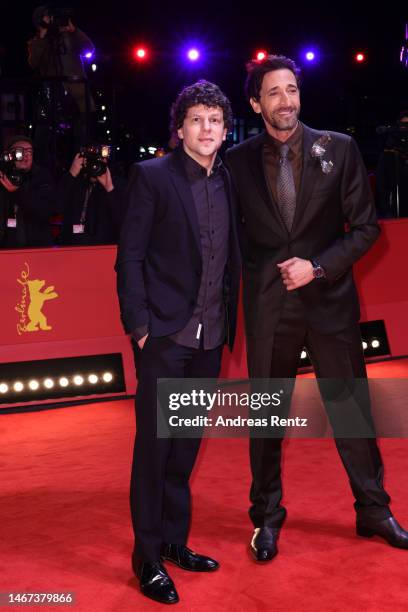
<point x="37" y="298"/>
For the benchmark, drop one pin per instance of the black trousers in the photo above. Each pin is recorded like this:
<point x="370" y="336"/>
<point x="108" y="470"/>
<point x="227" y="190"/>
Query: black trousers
<point x="336" y="356"/>
<point x="159" y="491"/>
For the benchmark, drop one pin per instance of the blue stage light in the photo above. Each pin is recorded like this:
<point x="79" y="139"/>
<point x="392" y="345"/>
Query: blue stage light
<point x="193" y="54"/>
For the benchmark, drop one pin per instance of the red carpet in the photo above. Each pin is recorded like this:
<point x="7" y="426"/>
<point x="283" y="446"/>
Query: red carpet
<point x="65" y="521"/>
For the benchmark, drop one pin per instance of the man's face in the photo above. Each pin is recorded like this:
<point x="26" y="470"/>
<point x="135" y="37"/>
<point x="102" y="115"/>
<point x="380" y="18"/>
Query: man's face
<point x="279" y="102"/>
<point x="27" y="161"/>
<point x="202" y="132"/>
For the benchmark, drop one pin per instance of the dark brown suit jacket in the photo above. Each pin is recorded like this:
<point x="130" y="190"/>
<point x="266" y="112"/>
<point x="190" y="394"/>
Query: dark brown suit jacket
<point x="325" y="204"/>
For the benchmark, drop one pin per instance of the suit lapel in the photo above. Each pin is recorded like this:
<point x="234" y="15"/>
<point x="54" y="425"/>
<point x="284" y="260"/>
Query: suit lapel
<point x="256" y="164"/>
<point x="310" y="173"/>
<point x="234" y="242"/>
<point x="183" y="189"/>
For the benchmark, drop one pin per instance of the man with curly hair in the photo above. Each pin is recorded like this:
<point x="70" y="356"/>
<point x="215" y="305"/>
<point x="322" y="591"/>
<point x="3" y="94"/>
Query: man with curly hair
<point x="178" y="269"/>
<point x="298" y="188"/>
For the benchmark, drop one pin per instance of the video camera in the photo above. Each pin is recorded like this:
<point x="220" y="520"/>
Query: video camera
<point x="8" y="161"/>
<point x="96" y="158"/>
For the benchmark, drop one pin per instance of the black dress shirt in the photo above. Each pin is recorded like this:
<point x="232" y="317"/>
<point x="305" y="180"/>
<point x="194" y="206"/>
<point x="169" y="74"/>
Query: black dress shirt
<point x="207" y="324"/>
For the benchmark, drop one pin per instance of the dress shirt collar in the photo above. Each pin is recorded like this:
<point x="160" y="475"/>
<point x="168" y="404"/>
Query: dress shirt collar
<point x="195" y="170"/>
<point x="294" y="141"/>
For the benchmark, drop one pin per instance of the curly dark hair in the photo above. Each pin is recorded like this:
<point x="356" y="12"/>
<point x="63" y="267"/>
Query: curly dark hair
<point x="257" y="69"/>
<point x="202" y="92"/>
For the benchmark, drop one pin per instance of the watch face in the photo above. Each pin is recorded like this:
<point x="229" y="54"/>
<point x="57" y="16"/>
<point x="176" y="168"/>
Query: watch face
<point x="318" y="272"/>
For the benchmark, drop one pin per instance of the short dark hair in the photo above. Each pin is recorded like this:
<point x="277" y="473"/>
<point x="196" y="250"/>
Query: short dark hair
<point x="257" y="69"/>
<point x="18" y="138"/>
<point x="202" y="92"/>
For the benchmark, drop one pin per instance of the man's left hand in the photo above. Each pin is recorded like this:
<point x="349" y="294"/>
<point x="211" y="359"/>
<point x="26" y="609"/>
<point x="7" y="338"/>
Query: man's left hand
<point x="106" y="180"/>
<point x="296" y="272"/>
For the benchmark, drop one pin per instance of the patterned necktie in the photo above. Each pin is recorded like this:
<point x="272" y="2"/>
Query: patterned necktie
<point x="285" y="188"/>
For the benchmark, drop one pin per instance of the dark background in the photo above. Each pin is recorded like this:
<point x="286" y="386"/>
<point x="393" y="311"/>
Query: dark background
<point x="337" y="93"/>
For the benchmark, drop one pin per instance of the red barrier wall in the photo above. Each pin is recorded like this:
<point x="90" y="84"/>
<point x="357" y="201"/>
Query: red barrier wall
<point x="62" y="302"/>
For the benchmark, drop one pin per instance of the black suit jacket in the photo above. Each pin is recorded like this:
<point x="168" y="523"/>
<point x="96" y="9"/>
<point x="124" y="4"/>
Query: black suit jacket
<point x="36" y="200"/>
<point x="159" y="256"/>
<point x="104" y="213"/>
<point x="325" y="203"/>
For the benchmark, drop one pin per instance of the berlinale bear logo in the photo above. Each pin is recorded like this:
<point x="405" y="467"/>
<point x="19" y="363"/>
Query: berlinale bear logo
<point x="31" y="316"/>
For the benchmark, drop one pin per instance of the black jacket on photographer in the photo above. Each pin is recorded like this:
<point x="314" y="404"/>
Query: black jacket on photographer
<point x="29" y="209"/>
<point x="67" y="61"/>
<point x="89" y="204"/>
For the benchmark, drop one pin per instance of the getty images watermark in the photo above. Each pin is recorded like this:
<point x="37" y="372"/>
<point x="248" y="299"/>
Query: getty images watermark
<point x="254" y="401"/>
<point x="300" y="408"/>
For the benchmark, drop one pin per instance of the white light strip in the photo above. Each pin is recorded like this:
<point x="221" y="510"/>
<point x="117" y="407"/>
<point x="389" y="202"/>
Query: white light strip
<point x="63" y="381"/>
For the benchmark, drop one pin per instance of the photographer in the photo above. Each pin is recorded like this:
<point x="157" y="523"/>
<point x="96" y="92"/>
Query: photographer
<point x="91" y="200"/>
<point x="26" y="204"/>
<point x="56" y="51"/>
<point x="392" y="170"/>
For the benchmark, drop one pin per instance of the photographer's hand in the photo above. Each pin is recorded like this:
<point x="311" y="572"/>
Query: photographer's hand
<point x="76" y="165"/>
<point x="7" y="184"/>
<point x="106" y="180"/>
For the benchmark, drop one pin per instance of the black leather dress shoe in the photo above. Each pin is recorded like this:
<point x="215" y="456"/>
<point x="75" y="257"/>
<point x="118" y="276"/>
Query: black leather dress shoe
<point x="155" y="582"/>
<point x="264" y="543"/>
<point x="388" y="528"/>
<point x="187" y="559"/>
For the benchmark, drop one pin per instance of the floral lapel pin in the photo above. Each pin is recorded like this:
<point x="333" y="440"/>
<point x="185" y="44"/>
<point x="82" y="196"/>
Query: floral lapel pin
<point x="318" y="151"/>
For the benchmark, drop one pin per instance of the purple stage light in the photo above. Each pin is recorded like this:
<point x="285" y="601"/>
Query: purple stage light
<point x="89" y="55"/>
<point x="310" y="56"/>
<point x="193" y="54"/>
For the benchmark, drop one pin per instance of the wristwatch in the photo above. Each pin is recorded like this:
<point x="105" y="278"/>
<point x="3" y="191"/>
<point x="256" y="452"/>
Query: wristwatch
<point x="318" y="270"/>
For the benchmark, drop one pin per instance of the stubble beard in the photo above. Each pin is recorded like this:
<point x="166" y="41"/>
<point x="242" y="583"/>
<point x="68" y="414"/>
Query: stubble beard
<point x="282" y="124"/>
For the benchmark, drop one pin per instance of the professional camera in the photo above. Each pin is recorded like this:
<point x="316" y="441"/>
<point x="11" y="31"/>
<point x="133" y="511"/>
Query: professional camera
<point x="8" y="161"/>
<point x="59" y="18"/>
<point x="96" y="157"/>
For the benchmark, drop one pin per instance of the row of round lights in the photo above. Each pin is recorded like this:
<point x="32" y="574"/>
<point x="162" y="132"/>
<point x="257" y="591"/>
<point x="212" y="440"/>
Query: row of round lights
<point x="63" y="381"/>
<point x="309" y="55"/>
<point x="141" y="54"/>
<point x="373" y="344"/>
<point x="193" y="54"/>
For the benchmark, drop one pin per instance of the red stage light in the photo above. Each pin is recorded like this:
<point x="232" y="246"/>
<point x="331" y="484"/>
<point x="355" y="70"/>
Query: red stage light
<point x="260" y="55"/>
<point x="360" y="57"/>
<point x="140" y="53"/>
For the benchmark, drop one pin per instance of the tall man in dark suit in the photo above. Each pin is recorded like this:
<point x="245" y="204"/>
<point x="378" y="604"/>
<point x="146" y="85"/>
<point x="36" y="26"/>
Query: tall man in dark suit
<point x="297" y="188"/>
<point x="178" y="271"/>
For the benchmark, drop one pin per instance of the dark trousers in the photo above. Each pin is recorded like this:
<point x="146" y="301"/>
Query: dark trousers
<point x="336" y="356"/>
<point x="160" y="493"/>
